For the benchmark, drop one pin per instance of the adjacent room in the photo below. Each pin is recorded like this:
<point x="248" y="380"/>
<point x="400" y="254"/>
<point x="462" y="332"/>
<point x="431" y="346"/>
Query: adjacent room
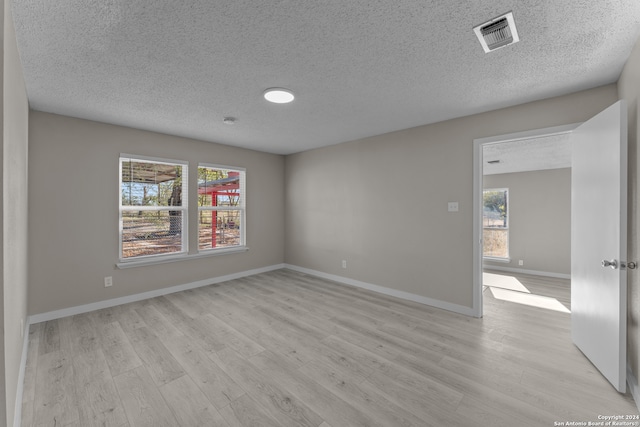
<point x="527" y="220"/>
<point x="306" y="213"/>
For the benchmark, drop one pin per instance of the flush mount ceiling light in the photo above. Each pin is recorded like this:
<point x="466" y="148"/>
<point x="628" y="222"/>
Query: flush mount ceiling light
<point x="278" y="95"/>
<point x="498" y="32"/>
<point x="229" y="120"/>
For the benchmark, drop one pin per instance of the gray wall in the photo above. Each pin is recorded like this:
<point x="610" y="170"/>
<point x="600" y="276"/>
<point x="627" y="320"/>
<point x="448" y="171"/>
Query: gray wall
<point x="629" y="89"/>
<point x="539" y="219"/>
<point x="381" y="203"/>
<point x="15" y="209"/>
<point x="73" y="217"/>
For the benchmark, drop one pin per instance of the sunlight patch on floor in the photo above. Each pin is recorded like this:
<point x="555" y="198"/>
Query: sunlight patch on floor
<point x="504" y="282"/>
<point x="529" y="299"/>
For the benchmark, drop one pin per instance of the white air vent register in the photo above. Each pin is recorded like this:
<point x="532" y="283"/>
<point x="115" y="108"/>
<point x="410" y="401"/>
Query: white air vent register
<point x="497" y="33"/>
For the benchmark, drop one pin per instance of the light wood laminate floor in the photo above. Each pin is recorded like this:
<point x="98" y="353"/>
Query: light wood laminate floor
<point x="288" y="349"/>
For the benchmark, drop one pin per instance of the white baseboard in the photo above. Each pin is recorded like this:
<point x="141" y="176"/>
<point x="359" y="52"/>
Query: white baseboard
<point x="460" y="309"/>
<point x="17" y="413"/>
<point x="632" y="381"/>
<point x="65" y="312"/>
<point x="532" y="272"/>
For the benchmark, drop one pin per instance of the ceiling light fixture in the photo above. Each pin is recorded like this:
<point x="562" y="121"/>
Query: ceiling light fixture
<point x="278" y="95"/>
<point x="229" y="120"/>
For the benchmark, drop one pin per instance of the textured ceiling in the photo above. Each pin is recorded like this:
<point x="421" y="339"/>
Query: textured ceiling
<point x="358" y="67"/>
<point x="532" y="154"/>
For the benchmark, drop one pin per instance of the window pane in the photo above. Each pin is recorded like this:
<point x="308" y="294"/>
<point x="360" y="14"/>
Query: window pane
<point x="219" y="229"/>
<point x="219" y="187"/>
<point x="495" y="243"/>
<point x="495" y="223"/>
<point x="151" y="184"/>
<point x="151" y="233"/>
<point x="494" y="209"/>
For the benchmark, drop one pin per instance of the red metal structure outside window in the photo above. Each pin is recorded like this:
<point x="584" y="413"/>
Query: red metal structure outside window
<point x="227" y="187"/>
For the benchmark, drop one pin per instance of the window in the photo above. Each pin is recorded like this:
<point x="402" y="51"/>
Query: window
<point x="153" y="207"/>
<point x="495" y="223"/>
<point x="221" y="207"/>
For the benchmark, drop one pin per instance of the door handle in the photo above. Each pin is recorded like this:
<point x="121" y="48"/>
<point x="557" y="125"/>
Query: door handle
<point x="623" y="265"/>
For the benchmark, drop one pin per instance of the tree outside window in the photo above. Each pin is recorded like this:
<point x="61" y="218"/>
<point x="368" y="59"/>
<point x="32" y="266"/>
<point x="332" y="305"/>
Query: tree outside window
<point x="495" y="223"/>
<point x="153" y="207"/>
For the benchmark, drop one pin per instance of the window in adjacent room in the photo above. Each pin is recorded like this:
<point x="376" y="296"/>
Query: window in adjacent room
<point x="221" y="207"/>
<point x="495" y="223"/>
<point x="153" y="207"/>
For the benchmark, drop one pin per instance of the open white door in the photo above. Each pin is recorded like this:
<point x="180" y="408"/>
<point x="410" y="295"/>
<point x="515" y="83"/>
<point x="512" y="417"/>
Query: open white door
<point x="599" y="243"/>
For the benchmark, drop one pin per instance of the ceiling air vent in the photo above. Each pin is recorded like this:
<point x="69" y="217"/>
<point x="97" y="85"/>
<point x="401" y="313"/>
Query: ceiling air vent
<point x="497" y="33"/>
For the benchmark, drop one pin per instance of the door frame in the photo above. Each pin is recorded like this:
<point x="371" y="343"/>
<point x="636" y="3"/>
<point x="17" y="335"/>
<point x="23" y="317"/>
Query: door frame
<point x="478" y="164"/>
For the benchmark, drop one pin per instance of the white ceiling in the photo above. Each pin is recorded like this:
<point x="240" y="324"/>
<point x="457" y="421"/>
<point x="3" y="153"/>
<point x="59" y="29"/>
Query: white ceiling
<point x="532" y="154"/>
<point x="358" y="67"/>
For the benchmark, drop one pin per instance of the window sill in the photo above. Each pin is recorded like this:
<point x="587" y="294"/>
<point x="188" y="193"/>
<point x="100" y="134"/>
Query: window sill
<point x="180" y="257"/>
<point x="496" y="259"/>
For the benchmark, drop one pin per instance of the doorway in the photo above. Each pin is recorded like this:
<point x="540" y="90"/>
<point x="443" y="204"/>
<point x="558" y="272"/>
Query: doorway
<point x="598" y="235"/>
<point x="484" y="148"/>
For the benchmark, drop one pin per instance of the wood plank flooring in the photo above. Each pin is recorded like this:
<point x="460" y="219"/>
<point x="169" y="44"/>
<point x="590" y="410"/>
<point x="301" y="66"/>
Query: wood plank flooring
<point x="288" y="349"/>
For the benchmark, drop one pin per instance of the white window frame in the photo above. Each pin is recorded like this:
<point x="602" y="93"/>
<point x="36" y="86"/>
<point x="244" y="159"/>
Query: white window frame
<point x="184" y="208"/>
<point x="242" y="207"/>
<point x="506" y="258"/>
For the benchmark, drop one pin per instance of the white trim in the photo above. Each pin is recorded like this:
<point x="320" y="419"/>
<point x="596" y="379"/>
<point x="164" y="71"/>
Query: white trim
<point x="527" y="134"/>
<point x="224" y="167"/>
<point x="163" y="259"/>
<point x="149" y="159"/>
<point x="477" y="210"/>
<point x="632" y="381"/>
<point x="532" y="272"/>
<point x="495" y="259"/>
<point x="460" y="309"/>
<point x="65" y="312"/>
<point x="476" y="240"/>
<point x="153" y="208"/>
<point x="220" y="208"/>
<point x="17" y="414"/>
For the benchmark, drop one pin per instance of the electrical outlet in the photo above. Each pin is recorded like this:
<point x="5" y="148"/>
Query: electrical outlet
<point x="344" y="263"/>
<point x="452" y="207"/>
<point x="521" y="262"/>
<point x="108" y="281"/>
